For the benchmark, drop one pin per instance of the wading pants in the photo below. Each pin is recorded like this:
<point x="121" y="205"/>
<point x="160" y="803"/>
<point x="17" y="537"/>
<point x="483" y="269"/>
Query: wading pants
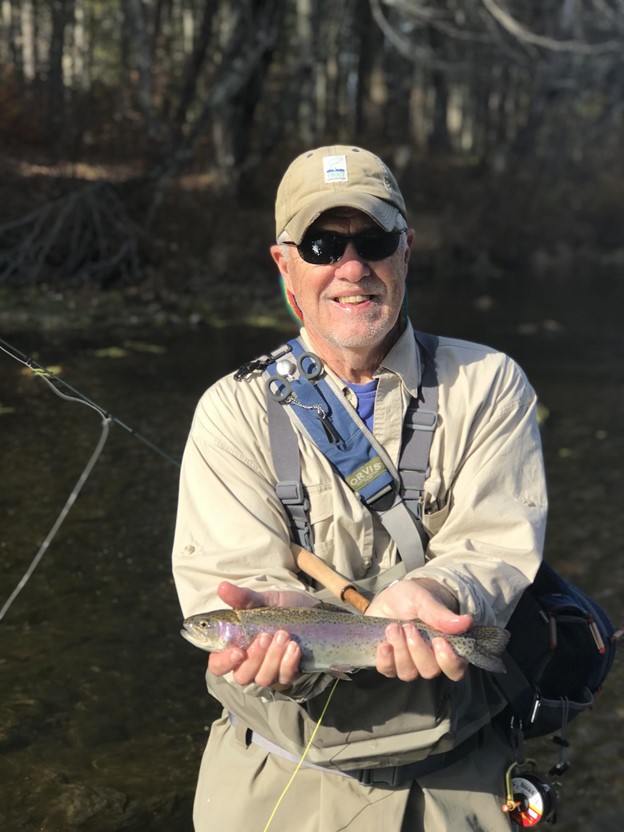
<point x="239" y="786"/>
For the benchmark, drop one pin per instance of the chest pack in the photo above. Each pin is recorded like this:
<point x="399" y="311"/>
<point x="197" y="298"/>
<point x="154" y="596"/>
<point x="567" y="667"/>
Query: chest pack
<point x="562" y="642"/>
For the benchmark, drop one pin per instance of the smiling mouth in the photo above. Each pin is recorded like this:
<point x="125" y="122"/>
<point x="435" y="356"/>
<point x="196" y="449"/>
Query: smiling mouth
<point x="354" y="299"/>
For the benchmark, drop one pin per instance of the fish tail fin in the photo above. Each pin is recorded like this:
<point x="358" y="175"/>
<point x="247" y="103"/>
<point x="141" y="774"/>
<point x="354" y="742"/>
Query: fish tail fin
<point x="489" y="646"/>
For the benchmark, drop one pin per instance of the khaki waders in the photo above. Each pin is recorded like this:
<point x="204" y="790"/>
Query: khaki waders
<point x="239" y="786"/>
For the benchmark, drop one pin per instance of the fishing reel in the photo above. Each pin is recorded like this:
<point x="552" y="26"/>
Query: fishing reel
<point x="531" y="797"/>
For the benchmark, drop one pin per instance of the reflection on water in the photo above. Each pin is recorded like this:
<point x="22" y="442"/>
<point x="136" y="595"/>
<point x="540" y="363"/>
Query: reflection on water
<point x="103" y="711"/>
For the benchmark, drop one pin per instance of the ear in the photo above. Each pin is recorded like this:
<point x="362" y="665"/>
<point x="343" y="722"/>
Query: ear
<point x="410" y="242"/>
<point x="282" y="263"/>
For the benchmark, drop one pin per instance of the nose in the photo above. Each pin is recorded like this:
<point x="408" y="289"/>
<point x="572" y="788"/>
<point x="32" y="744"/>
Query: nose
<point x="351" y="266"/>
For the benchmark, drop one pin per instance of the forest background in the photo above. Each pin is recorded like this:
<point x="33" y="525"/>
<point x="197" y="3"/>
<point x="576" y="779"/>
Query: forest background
<point x="141" y="141"/>
<point x="141" y="144"/>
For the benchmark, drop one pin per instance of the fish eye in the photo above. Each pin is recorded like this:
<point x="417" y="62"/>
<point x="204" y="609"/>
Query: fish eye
<point x="204" y="624"/>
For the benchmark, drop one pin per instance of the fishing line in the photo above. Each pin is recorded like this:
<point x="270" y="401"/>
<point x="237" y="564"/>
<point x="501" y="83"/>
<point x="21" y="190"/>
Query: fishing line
<point x="303" y="756"/>
<point x="49" y="377"/>
<point x="106" y="423"/>
<point x="107" y="419"/>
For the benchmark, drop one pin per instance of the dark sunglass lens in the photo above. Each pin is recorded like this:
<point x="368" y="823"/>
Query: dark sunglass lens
<point x="323" y="248"/>
<point x="377" y="246"/>
<point x="327" y="247"/>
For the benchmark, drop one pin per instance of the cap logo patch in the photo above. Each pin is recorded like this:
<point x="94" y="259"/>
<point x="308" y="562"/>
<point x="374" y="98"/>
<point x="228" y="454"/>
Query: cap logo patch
<point x="335" y="169"/>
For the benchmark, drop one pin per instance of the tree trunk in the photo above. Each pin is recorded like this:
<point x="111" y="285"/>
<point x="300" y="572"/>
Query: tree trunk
<point x="62" y="13"/>
<point x="12" y="20"/>
<point x="139" y="28"/>
<point x="369" y="43"/>
<point x="193" y="70"/>
<point x="30" y="26"/>
<point x="439" y="140"/>
<point x="306" y="46"/>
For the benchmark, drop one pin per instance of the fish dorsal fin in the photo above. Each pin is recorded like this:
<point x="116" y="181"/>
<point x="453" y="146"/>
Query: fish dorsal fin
<point x="332" y="608"/>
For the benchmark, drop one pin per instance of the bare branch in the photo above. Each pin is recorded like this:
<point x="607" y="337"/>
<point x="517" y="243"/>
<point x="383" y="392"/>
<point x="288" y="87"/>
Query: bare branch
<point x="404" y="47"/>
<point x="615" y="17"/>
<point x="438" y="19"/>
<point x="522" y="33"/>
<point x="407" y="48"/>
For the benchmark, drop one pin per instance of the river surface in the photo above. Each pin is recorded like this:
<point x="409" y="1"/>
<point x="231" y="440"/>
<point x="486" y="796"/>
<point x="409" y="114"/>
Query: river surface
<point x="103" y="710"/>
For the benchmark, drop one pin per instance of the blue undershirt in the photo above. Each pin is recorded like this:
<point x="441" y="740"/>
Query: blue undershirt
<point x="365" y="400"/>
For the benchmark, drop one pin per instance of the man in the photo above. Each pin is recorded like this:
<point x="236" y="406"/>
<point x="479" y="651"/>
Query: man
<point x="408" y="745"/>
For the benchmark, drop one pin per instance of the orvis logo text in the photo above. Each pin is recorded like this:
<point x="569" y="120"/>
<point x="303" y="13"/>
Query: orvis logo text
<point x="366" y="473"/>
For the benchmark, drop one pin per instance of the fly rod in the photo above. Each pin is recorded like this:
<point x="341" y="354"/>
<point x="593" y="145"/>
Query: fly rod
<point x="336" y="583"/>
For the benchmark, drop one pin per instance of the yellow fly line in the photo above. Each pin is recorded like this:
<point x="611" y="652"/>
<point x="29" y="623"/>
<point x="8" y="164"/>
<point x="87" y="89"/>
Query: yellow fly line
<point x="301" y="761"/>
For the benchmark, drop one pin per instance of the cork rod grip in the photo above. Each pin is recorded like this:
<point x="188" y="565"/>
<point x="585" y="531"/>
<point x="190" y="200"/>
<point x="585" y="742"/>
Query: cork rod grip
<point x="337" y="584"/>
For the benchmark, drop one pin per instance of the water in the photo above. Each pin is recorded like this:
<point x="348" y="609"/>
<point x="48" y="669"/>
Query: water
<point x="103" y="710"/>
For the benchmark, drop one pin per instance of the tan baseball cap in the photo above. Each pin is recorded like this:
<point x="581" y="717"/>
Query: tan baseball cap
<point x="332" y="177"/>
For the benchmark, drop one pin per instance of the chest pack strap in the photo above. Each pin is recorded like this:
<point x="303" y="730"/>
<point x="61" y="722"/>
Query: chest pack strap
<point x="336" y="429"/>
<point x="387" y="777"/>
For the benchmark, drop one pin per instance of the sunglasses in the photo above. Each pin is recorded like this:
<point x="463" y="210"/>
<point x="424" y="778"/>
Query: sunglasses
<point x="321" y="248"/>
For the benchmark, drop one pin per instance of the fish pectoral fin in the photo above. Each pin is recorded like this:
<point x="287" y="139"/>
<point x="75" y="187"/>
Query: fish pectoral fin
<point x="341" y="671"/>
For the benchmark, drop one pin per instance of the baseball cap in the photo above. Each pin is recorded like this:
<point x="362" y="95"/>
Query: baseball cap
<point x="332" y="177"/>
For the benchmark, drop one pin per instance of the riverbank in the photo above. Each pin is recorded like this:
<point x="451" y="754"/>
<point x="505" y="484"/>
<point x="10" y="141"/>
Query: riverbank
<point x="204" y="259"/>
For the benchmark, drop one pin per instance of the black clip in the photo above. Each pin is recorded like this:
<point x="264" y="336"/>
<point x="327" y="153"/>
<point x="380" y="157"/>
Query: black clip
<point x="260" y="364"/>
<point x="251" y="367"/>
<point x="330" y="431"/>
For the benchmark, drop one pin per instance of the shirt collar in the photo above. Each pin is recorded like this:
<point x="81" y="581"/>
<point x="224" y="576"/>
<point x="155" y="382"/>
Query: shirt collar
<point x="403" y="359"/>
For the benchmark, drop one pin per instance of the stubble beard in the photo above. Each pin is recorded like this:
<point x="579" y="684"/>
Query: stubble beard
<point x="374" y="330"/>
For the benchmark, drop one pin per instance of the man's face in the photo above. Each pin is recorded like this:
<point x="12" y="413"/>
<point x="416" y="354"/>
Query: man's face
<point x="351" y="305"/>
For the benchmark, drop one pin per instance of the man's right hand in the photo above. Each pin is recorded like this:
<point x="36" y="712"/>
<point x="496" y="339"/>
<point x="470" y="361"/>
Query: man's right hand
<point x="268" y="660"/>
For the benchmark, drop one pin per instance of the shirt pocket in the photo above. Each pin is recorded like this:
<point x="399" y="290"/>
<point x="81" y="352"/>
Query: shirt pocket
<point x="342" y="529"/>
<point x="433" y="521"/>
<point x="321" y="516"/>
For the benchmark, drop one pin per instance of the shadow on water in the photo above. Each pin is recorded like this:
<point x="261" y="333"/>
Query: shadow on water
<point x="103" y="710"/>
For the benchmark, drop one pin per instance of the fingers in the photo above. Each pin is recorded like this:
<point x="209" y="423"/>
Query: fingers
<point x="225" y="661"/>
<point x="407" y="655"/>
<point x="450" y="663"/>
<point x="239" y="598"/>
<point x="267" y="660"/>
<point x="270" y="660"/>
<point x="242" y="598"/>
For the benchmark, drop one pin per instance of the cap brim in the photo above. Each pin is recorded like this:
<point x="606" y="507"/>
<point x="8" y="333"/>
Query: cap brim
<point x="383" y="213"/>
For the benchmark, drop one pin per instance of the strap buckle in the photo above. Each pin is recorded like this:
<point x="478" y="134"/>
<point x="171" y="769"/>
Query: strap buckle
<point x="390" y="777"/>
<point x="292" y="496"/>
<point x="382" y="499"/>
<point x="291" y="493"/>
<point x="420" y="419"/>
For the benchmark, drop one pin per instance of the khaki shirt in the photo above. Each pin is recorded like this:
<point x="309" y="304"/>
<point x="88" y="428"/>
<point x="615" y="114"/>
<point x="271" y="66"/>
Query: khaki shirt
<point x="485" y="509"/>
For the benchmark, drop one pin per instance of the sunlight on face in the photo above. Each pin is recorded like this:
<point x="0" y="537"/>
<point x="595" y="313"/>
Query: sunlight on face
<point x="353" y="304"/>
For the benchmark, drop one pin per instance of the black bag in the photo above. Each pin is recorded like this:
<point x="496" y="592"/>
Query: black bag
<point x="560" y="652"/>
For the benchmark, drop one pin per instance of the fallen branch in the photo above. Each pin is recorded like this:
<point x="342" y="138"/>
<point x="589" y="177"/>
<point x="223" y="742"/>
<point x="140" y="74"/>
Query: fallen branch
<point x="86" y="235"/>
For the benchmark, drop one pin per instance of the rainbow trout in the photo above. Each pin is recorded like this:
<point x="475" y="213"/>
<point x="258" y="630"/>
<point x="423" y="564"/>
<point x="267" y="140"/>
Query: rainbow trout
<point x="332" y="639"/>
